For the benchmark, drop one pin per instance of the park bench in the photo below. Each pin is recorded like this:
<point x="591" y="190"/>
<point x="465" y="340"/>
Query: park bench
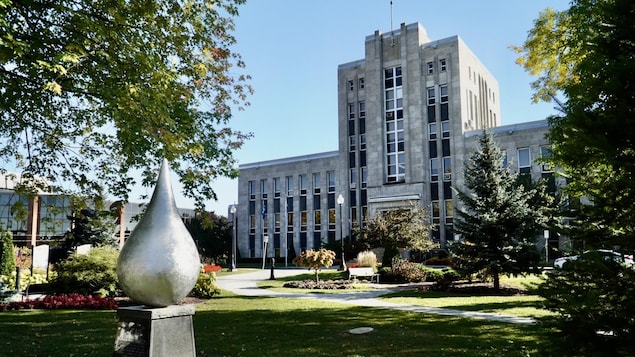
<point x="363" y="272"/>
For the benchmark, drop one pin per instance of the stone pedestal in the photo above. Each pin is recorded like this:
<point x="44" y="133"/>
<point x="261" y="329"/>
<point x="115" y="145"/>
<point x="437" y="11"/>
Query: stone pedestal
<point x="153" y="332"/>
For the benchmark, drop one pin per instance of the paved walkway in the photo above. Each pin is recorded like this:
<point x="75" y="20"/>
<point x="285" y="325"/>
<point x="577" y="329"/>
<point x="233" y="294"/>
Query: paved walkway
<point x="246" y="284"/>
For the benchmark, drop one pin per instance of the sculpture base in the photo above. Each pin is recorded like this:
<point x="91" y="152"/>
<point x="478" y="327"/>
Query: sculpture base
<point x="152" y="332"/>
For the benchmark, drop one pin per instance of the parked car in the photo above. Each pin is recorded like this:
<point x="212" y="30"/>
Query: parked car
<point x="605" y="253"/>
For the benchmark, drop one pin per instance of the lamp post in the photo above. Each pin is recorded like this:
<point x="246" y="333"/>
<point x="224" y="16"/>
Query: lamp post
<point x="232" y="267"/>
<point x="546" y="235"/>
<point x="340" y="201"/>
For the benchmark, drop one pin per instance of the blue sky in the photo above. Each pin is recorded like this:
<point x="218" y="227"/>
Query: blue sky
<point x="292" y="49"/>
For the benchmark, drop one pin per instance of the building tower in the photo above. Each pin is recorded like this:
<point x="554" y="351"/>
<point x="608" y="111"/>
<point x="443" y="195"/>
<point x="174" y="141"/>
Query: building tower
<point x="403" y="111"/>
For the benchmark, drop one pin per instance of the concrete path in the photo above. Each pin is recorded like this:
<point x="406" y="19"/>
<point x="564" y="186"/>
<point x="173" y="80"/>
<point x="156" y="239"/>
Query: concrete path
<point x="246" y="284"/>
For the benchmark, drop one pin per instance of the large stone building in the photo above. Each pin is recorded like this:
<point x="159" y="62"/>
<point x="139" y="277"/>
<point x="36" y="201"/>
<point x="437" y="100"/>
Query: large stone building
<point x="409" y="115"/>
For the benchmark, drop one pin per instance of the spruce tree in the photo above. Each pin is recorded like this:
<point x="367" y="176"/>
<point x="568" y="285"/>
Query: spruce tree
<point x="498" y="219"/>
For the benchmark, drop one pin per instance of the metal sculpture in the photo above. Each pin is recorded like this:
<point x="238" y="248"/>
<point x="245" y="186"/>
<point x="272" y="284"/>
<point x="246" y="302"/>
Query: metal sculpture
<point x="159" y="263"/>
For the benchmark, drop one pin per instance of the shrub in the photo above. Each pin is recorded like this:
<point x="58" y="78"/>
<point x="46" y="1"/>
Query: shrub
<point x="205" y="286"/>
<point x="315" y="260"/>
<point x="367" y="259"/>
<point x="7" y="258"/>
<point x="26" y="278"/>
<point x="92" y="273"/>
<point x="404" y="271"/>
<point x="595" y="303"/>
<point x="443" y="278"/>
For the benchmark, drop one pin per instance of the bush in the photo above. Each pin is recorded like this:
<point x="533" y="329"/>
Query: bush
<point x="443" y="278"/>
<point x="367" y="259"/>
<point x="92" y="273"/>
<point x="205" y="286"/>
<point x="404" y="271"/>
<point x="26" y="278"/>
<point x="595" y="303"/>
<point x="7" y="258"/>
<point x="315" y="260"/>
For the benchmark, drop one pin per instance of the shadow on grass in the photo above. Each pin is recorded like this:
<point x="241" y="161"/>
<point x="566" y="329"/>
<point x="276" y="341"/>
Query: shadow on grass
<point x="57" y="333"/>
<point x="249" y="326"/>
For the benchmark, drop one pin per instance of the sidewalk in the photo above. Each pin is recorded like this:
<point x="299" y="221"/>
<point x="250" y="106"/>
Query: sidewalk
<point x="246" y="284"/>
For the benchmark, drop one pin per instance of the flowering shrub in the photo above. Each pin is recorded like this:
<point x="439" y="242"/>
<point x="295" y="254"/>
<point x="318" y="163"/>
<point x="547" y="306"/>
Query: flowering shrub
<point x="315" y="260"/>
<point x="209" y="268"/>
<point x="64" y="301"/>
<point x="26" y="278"/>
<point x="205" y="285"/>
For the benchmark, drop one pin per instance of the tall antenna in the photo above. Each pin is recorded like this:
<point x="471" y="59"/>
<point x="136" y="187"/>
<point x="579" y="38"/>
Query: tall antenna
<point x="392" y="35"/>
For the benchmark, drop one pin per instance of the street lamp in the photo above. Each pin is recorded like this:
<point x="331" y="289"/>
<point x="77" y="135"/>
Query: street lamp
<point x="546" y="235"/>
<point x="340" y="201"/>
<point x="233" y="259"/>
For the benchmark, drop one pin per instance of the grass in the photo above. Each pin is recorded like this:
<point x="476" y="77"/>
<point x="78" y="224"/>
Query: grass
<point x="248" y="326"/>
<point x="231" y="325"/>
<point x="515" y="305"/>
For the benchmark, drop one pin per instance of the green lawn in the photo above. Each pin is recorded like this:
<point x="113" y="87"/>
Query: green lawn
<point x="231" y="325"/>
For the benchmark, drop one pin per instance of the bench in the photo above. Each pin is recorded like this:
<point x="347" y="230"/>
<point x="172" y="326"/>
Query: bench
<point x="363" y="272"/>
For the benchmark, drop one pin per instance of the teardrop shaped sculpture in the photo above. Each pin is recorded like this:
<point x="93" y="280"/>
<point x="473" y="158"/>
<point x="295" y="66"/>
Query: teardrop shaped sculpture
<point x="159" y="263"/>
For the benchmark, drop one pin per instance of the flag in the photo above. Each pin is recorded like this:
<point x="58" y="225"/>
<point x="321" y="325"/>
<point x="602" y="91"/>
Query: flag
<point x="264" y="209"/>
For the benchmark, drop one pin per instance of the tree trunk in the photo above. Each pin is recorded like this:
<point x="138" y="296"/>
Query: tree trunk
<point x="497" y="283"/>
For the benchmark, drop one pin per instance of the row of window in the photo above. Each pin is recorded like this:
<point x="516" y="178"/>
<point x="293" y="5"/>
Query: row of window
<point x="443" y="66"/>
<point x="395" y="143"/>
<point x="290" y="185"/>
<point x="360" y="84"/>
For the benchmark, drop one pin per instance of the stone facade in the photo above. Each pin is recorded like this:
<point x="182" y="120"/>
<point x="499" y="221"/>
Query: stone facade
<point x="409" y="113"/>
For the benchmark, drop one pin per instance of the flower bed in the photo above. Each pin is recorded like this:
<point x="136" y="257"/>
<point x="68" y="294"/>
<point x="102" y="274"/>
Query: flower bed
<point x="65" y="301"/>
<point x="322" y="285"/>
<point x="209" y="268"/>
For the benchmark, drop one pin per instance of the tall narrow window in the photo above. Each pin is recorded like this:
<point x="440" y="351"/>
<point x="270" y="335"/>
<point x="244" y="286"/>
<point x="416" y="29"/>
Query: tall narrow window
<point x="445" y="129"/>
<point x="330" y="177"/>
<point x="351" y="111"/>
<point x="331" y="219"/>
<point x="264" y="188"/>
<point x="303" y="184"/>
<point x="362" y="110"/>
<point x="352" y="143"/>
<point x="317" y="220"/>
<point x="524" y="161"/>
<point x="353" y="177"/>
<point x="434" y="170"/>
<point x="364" y="171"/>
<point x="351" y="86"/>
<point x="449" y="211"/>
<point x="317" y="183"/>
<point x="545" y="154"/>
<point x="430" y="66"/>
<point x="432" y="131"/>
<point x="252" y="190"/>
<point x="276" y="187"/>
<point x="289" y="186"/>
<point x="360" y="83"/>
<point x="443" y="65"/>
<point x="436" y="213"/>
<point x="395" y="146"/>
<point x="447" y="168"/>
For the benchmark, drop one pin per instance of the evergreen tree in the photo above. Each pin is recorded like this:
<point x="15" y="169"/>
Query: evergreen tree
<point x="498" y="219"/>
<point x="92" y="226"/>
<point x="7" y="258"/>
